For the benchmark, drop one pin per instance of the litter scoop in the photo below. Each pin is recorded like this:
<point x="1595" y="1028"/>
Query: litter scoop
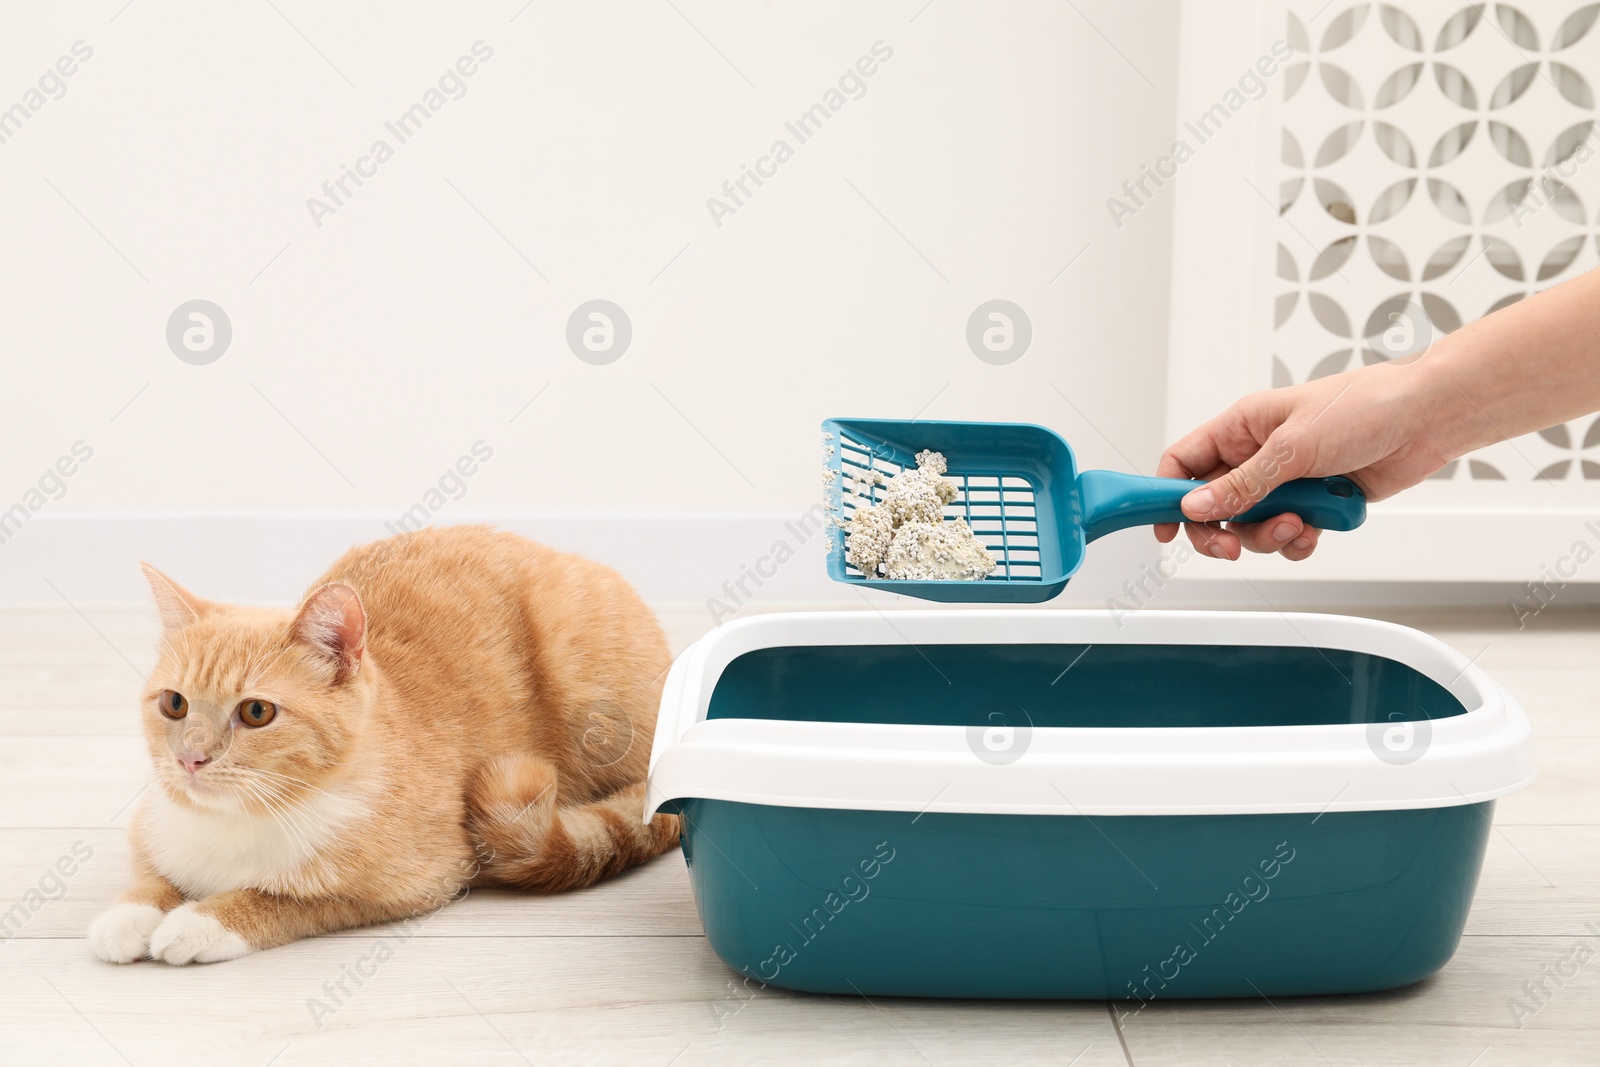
<point x="1020" y="490"/>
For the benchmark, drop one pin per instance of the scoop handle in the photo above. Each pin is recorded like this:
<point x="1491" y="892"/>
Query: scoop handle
<point x="1114" y="501"/>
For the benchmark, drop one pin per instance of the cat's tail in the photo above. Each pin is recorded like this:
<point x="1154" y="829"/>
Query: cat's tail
<point x="526" y="838"/>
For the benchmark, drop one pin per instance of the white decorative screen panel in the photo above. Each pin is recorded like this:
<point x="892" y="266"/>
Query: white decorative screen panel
<point x="1438" y="162"/>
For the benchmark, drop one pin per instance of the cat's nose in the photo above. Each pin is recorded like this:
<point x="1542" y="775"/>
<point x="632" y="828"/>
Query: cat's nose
<point x="193" y="761"/>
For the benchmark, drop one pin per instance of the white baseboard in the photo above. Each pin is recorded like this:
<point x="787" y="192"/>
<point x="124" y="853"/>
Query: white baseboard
<point x="270" y="558"/>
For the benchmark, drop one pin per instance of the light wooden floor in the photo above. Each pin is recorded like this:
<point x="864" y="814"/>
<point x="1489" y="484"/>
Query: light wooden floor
<point x="622" y="974"/>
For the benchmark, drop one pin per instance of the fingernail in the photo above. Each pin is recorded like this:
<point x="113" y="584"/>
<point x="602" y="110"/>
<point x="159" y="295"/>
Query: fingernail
<point x="1301" y="543"/>
<point x="1199" y="502"/>
<point x="1283" y="531"/>
<point x="1216" y="550"/>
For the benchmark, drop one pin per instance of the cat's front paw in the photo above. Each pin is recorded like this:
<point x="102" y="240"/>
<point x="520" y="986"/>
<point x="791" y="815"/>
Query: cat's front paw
<point x="189" y="935"/>
<point x="121" y="933"/>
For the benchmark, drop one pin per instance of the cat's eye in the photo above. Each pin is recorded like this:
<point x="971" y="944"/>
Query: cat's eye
<point x="173" y="705"/>
<point x="257" y="712"/>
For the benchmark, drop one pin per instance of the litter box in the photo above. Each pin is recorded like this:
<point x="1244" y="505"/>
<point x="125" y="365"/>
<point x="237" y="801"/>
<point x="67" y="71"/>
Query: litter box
<point x="1069" y="804"/>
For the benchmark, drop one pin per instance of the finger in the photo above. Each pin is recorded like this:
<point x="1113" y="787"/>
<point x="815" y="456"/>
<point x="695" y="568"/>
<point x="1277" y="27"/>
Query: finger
<point x="1166" y="531"/>
<point x="1191" y="455"/>
<point x="1229" y="438"/>
<point x="1269" y="536"/>
<point x="1212" y="540"/>
<point x="1302" y="546"/>
<point x="1275" y="462"/>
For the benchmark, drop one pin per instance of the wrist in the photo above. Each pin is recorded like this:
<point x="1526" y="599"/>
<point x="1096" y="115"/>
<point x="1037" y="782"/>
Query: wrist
<point x="1436" y="407"/>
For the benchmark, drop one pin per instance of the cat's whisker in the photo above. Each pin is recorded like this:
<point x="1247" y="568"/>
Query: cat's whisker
<point x="290" y="780"/>
<point x="268" y="772"/>
<point x="369" y="785"/>
<point x="300" y="812"/>
<point x="291" y="821"/>
<point x="280" y="782"/>
<point x="250" y="789"/>
<point x="270" y="799"/>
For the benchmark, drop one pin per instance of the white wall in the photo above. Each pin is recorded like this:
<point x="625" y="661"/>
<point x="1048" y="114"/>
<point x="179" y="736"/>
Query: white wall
<point x="377" y="349"/>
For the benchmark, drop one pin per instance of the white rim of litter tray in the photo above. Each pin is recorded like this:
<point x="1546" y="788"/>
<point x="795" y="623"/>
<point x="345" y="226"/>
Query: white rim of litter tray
<point x="1482" y="754"/>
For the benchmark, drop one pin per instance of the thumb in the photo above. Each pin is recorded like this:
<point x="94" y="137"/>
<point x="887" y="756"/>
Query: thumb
<point x="1276" y="462"/>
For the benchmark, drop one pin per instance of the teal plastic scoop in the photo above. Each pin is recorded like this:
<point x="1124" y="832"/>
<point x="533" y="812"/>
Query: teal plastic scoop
<point x="1020" y="490"/>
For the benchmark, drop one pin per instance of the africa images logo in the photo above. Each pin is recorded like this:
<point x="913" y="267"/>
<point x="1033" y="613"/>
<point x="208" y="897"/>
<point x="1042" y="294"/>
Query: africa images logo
<point x="1399" y="741"/>
<point x="1002" y="737"/>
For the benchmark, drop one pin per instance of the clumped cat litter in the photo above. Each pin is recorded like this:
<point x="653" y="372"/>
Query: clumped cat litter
<point x="905" y="535"/>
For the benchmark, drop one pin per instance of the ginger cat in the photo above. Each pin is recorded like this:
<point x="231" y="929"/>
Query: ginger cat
<point x="446" y="708"/>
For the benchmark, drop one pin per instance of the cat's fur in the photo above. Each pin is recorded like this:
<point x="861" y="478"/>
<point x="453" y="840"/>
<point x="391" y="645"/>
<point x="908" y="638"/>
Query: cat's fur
<point x="455" y="707"/>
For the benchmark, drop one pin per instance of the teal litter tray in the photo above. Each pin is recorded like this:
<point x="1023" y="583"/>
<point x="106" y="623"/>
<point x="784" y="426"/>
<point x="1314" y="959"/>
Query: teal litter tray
<point x="1055" y="804"/>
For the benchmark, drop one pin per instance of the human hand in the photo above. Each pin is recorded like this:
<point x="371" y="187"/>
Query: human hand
<point x="1368" y="424"/>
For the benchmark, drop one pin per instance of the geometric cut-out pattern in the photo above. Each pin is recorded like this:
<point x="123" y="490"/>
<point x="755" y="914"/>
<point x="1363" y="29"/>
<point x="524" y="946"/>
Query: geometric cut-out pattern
<point x="1437" y="164"/>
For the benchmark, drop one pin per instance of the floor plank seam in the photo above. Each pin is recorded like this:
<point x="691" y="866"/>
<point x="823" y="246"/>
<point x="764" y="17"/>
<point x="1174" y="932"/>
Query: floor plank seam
<point x="1116" y="1025"/>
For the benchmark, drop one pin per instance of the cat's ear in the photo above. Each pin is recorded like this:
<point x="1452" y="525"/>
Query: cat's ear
<point x="178" y="606"/>
<point x="333" y="622"/>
